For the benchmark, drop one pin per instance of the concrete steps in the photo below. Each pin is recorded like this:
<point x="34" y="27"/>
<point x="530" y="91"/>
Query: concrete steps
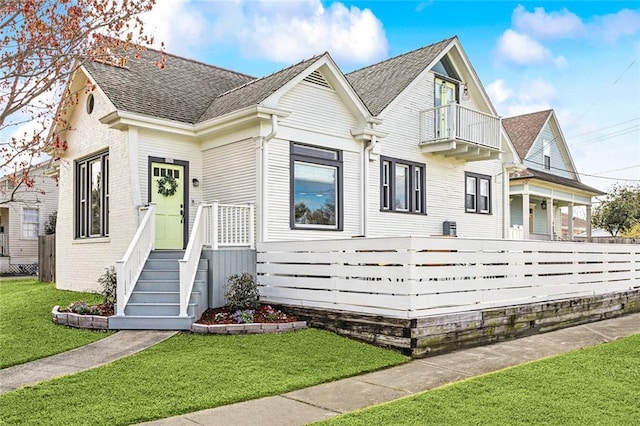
<point x="155" y="301"/>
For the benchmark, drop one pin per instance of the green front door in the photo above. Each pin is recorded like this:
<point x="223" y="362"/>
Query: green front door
<point x="445" y="94"/>
<point x="167" y="192"/>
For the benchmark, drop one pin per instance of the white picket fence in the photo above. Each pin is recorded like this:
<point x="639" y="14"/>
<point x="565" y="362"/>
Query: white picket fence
<point x="409" y="277"/>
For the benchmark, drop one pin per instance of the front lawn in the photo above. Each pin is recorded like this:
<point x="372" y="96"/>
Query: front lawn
<point x="26" y="330"/>
<point x="597" y="385"/>
<point x="191" y="372"/>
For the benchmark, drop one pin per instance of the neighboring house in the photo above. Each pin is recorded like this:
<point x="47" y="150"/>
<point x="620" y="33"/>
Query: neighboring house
<point x="579" y="226"/>
<point x="550" y="180"/>
<point x="22" y="219"/>
<point x="396" y="148"/>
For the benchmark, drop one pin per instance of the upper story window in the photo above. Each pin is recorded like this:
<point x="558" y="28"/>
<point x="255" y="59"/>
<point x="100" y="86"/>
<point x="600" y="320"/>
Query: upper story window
<point x="401" y="186"/>
<point x="477" y="193"/>
<point x="315" y="187"/>
<point x="92" y="196"/>
<point x="546" y="153"/>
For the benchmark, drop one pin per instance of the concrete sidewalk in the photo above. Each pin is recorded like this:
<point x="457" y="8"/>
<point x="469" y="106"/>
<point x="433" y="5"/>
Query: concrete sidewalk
<point x="331" y="399"/>
<point x="118" y="345"/>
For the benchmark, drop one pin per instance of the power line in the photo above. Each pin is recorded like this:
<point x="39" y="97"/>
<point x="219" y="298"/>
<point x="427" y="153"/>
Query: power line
<point x="588" y="174"/>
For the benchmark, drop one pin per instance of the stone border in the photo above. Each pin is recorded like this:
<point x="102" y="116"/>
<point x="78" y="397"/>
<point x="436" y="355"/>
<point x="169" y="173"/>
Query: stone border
<point x="252" y="328"/>
<point x="91" y="322"/>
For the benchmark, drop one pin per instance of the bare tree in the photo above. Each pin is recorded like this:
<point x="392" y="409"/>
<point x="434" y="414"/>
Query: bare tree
<point x="43" y="43"/>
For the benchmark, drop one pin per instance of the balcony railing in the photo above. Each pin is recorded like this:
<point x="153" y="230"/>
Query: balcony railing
<point x="456" y="123"/>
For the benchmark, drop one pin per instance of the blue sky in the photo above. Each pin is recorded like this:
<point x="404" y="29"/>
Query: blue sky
<point x="581" y="58"/>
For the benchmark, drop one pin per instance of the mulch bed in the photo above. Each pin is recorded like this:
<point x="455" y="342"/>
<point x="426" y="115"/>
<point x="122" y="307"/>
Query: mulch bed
<point x="261" y="314"/>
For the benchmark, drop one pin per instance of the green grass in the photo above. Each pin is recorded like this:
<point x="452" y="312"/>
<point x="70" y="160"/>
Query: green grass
<point x="597" y="385"/>
<point x="191" y="372"/>
<point x="26" y="330"/>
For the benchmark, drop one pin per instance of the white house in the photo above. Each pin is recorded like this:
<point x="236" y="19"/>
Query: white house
<point x="550" y="180"/>
<point x="25" y="207"/>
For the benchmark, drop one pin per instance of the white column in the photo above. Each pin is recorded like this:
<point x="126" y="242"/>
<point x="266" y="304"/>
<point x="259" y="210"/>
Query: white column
<point x="570" y="222"/>
<point x="525" y="215"/>
<point x="550" y="217"/>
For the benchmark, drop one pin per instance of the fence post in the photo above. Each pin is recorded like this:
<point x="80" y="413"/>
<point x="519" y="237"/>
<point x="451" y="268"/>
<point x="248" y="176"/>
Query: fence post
<point x="251" y="226"/>
<point x="214" y="225"/>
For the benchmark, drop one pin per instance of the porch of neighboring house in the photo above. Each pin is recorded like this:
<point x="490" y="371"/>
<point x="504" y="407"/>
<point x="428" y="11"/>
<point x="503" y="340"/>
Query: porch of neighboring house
<point x="536" y="211"/>
<point x="4" y="240"/>
<point x="18" y="252"/>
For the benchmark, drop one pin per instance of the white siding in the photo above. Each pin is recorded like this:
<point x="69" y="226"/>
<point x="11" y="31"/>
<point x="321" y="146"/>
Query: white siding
<point x="79" y="263"/>
<point x="444" y="176"/>
<point x="318" y="117"/>
<point x="230" y="174"/>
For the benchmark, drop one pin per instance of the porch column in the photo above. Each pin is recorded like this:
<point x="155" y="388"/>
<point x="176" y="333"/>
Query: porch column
<point x="550" y="218"/>
<point x="570" y="222"/>
<point x="588" y="220"/>
<point x="525" y="215"/>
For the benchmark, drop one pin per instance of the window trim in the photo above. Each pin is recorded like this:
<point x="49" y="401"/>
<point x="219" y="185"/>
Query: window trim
<point x="82" y="198"/>
<point x="546" y="154"/>
<point x="477" y="207"/>
<point x="387" y="191"/>
<point x="22" y="223"/>
<point x="321" y="156"/>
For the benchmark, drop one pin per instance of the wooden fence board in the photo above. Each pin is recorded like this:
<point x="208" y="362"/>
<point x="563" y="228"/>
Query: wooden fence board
<point x="47" y="258"/>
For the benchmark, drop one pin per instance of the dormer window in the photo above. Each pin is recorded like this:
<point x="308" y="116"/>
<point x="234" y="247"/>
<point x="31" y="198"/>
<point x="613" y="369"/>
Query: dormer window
<point x="445" y="68"/>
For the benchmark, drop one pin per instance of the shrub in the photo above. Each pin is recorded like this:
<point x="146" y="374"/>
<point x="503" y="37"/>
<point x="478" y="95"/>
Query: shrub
<point x="242" y="291"/>
<point x="83" y="308"/>
<point x="109" y="283"/>
<point x="50" y="224"/>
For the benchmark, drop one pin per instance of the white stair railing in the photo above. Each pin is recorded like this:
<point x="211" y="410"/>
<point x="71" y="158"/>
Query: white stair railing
<point x="129" y="268"/>
<point x="189" y="263"/>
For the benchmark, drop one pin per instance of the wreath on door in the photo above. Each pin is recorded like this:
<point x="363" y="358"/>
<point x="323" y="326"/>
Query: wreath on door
<point x="167" y="186"/>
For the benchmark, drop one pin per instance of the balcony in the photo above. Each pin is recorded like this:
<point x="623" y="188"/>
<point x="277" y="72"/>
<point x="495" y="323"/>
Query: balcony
<point x="460" y="132"/>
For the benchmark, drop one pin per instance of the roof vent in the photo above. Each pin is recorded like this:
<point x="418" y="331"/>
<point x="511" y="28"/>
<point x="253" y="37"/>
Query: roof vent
<point x="318" y="79"/>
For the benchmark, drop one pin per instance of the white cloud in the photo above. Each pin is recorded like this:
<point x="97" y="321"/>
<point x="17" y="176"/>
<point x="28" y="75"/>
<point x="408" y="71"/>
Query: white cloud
<point x="616" y="25"/>
<point x="542" y="24"/>
<point x="532" y="95"/>
<point x="521" y="49"/>
<point x="177" y="23"/>
<point x="282" y="31"/>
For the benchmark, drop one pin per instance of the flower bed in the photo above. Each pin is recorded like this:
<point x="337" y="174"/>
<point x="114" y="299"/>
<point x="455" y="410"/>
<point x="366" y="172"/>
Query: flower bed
<point x="263" y="319"/>
<point x="71" y="319"/>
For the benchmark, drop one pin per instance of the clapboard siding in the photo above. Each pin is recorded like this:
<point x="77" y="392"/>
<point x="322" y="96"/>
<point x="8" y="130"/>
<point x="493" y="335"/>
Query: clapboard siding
<point x="444" y="177"/>
<point x="317" y="109"/>
<point x="279" y="196"/>
<point x="535" y="156"/>
<point x="230" y="174"/>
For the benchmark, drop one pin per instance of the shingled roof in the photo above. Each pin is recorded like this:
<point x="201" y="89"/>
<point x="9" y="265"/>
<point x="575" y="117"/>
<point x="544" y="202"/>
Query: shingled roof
<point x="254" y="92"/>
<point x="523" y="129"/>
<point x="182" y="91"/>
<point x="548" y="177"/>
<point x="379" y="84"/>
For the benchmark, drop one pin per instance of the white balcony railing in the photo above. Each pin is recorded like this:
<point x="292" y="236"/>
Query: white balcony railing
<point x="454" y="122"/>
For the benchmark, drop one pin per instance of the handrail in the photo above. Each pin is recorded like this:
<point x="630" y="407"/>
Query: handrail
<point x="129" y="268"/>
<point x="189" y="263"/>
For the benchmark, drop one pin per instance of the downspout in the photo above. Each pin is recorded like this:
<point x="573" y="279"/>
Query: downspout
<point x="365" y="184"/>
<point x="264" y="176"/>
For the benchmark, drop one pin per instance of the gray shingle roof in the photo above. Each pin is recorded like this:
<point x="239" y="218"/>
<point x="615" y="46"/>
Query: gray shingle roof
<point x="182" y="91"/>
<point x="381" y="83"/>
<point x="523" y="129"/>
<point x="254" y="92"/>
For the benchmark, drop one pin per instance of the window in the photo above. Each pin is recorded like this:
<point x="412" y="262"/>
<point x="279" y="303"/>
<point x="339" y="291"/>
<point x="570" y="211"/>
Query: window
<point x="30" y="223"/>
<point x="401" y="186"/>
<point x="316" y="187"/>
<point x="477" y="193"/>
<point x="92" y="196"/>
<point x="546" y="152"/>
